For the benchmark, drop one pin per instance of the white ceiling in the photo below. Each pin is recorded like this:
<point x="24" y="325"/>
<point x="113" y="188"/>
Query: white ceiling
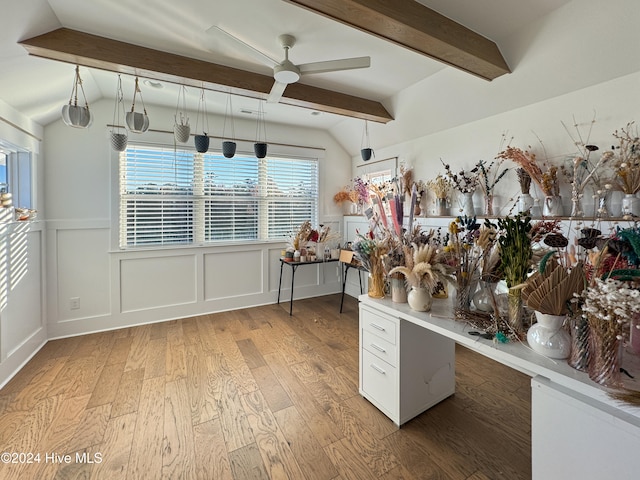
<point x="39" y="87"/>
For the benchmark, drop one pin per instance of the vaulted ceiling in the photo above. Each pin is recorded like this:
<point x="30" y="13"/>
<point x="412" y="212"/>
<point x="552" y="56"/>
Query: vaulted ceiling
<point x="38" y="87"/>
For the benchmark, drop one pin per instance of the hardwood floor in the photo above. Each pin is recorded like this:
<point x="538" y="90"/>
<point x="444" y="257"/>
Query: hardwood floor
<point x="250" y="394"/>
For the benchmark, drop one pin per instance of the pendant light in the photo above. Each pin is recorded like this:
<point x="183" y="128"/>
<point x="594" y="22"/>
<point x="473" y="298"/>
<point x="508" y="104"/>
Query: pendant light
<point x="136" y="121"/>
<point x="73" y="114"/>
<point x="118" y="135"/>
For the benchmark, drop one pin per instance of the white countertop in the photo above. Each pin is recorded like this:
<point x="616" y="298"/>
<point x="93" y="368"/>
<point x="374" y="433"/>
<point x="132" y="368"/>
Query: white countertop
<point x="517" y="355"/>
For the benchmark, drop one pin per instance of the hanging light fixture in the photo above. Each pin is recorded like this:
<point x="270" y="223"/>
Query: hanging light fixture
<point x="136" y="121"/>
<point x="118" y="137"/>
<point x="74" y="115"/>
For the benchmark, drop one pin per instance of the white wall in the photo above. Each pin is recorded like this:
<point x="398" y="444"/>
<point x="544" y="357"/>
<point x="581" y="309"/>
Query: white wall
<point x="615" y="103"/>
<point x="119" y="288"/>
<point x="22" y="289"/>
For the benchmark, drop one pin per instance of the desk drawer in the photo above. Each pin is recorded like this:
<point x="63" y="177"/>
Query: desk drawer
<point x="382" y="327"/>
<point x="379" y="347"/>
<point x="379" y="383"/>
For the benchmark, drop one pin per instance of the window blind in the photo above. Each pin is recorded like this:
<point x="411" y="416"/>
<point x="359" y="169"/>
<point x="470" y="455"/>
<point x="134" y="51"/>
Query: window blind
<point x="173" y="197"/>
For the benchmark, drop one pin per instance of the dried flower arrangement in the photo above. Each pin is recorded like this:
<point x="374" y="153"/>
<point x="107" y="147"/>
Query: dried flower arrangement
<point x="425" y="267"/>
<point x="488" y="177"/>
<point x="524" y="180"/>
<point x="463" y="181"/>
<point x="582" y="171"/>
<point x="552" y="287"/>
<point x="440" y="186"/>
<point x="627" y="166"/>
<point x="547" y="181"/>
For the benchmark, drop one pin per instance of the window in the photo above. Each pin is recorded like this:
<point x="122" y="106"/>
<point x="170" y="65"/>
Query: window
<point x="172" y="196"/>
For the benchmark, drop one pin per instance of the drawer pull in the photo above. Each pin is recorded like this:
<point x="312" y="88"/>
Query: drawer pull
<point x="378" y="369"/>
<point x="378" y="347"/>
<point x="377" y="327"/>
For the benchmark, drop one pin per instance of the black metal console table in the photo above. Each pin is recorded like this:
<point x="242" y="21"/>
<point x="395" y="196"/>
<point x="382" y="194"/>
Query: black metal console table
<point x="294" y="266"/>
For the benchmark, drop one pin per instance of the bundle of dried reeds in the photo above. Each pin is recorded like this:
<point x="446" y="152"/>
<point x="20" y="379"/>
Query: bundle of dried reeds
<point x="550" y="290"/>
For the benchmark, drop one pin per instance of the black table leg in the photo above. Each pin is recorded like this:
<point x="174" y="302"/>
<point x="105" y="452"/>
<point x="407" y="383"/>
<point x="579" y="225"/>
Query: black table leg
<point x="280" y="282"/>
<point x="293" y="275"/>
<point x="344" y="283"/>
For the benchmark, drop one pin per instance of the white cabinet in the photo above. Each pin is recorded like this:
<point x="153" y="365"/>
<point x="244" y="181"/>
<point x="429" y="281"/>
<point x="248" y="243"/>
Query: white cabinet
<point x="404" y="368"/>
<point x="574" y="436"/>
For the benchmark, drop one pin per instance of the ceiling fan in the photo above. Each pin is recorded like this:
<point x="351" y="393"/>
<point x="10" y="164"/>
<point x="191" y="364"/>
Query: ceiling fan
<point x="286" y="72"/>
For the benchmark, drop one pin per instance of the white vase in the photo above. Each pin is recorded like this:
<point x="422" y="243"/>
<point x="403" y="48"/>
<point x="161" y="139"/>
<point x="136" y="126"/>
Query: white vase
<point x="467" y="208"/>
<point x="525" y="203"/>
<point x="548" y="338"/>
<point x="630" y="204"/>
<point x="552" y="206"/>
<point x="398" y="290"/>
<point x="420" y="299"/>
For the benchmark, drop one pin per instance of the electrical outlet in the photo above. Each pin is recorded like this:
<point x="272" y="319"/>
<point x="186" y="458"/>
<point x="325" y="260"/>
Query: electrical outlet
<point x="74" y="303"/>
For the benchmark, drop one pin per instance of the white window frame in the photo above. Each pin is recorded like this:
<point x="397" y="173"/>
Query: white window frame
<point x="284" y="152"/>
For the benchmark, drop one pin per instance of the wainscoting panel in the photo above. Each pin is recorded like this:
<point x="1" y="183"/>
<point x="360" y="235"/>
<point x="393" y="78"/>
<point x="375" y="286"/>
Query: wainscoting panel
<point x="157" y="282"/>
<point x="233" y="274"/>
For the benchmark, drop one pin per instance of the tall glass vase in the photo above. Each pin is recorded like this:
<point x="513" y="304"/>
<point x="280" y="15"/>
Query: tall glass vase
<point x="516" y="310"/>
<point x="601" y="209"/>
<point x="580" y="347"/>
<point x="463" y="298"/>
<point x="606" y="353"/>
<point x="488" y="204"/>
<point x="576" y="206"/>
<point x="376" y="279"/>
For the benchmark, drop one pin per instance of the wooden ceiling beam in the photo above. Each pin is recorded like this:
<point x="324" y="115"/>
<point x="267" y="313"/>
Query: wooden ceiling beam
<point x="80" y="48"/>
<point x="412" y="25"/>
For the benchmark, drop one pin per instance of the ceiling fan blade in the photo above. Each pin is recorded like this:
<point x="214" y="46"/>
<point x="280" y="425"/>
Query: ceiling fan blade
<point x="335" y="65"/>
<point x="276" y="92"/>
<point x="255" y="53"/>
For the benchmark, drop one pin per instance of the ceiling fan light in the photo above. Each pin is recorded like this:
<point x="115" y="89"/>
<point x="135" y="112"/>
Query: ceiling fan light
<point x="286" y="73"/>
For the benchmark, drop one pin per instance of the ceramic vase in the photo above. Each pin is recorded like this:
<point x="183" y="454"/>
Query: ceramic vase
<point x="552" y="206"/>
<point x="181" y="132"/>
<point x="228" y="148"/>
<point x="548" y="338"/>
<point x="118" y="141"/>
<point x="260" y="149"/>
<point x="137" y="122"/>
<point x="76" y="116"/>
<point x="398" y="290"/>
<point x="442" y="208"/>
<point x="467" y="208"/>
<point x="201" y="142"/>
<point x="366" y="154"/>
<point x="420" y="299"/>
<point x="525" y="203"/>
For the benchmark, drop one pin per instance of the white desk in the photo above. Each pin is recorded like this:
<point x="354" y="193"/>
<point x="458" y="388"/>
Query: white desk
<point x="407" y="365"/>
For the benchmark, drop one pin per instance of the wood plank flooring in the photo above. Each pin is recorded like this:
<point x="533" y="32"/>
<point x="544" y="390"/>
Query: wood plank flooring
<point x="247" y="395"/>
